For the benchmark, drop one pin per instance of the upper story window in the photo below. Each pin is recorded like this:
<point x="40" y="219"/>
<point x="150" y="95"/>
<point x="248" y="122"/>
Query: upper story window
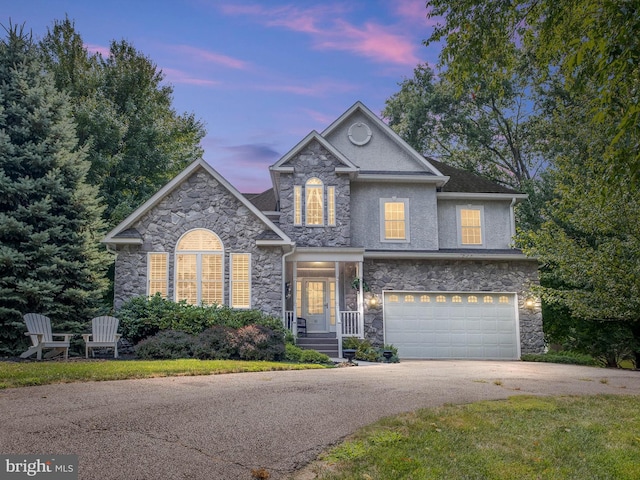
<point x="314" y="202"/>
<point x="394" y="220"/>
<point x="199" y="268"/>
<point x="470" y="225"/>
<point x="316" y="199"/>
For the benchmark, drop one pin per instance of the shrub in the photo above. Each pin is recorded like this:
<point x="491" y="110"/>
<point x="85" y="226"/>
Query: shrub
<point x="311" y="356"/>
<point x="365" y="351"/>
<point x="292" y="353"/>
<point x="561" y="357"/>
<point x="166" y="345"/>
<point x="141" y="317"/>
<point x="298" y="355"/>
<point x="213" y="344"/>
<point x="257" y="342"/>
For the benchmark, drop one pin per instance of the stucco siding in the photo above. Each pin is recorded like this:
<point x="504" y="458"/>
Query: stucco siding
<point x="380" y="153"/>
<point x="366" y="215"/>
<point x="496" y="228"/>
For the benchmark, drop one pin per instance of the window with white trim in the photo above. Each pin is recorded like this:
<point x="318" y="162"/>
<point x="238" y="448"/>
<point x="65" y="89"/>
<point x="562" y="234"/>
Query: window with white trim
<point x="200" y="268"/>
<point x="314" y="202"/>
<point x="317" y="198"/>
<point x="470" y="225"/>
<point x="240" y="280"/>
<point x="297" y="205"/>
<point x="157" y="274"/>
<point x="394" y="220"/>
<point x="331" y="206"/>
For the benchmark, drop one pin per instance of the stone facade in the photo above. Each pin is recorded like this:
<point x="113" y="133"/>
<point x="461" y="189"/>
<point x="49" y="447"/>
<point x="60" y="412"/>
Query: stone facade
<point x="316" y="161"/>
<point x="201" y="202"/>
<point x="456" y="276"/>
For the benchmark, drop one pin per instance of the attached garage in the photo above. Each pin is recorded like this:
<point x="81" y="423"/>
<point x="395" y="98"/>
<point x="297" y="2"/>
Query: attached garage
<point x="441" y="325"/>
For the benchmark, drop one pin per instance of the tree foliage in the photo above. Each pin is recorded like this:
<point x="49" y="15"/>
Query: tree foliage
<point x="135" y="140"/>
<point x="585" y="64"/>
<point x="50" y="261"/>
<point x="586" y="42"/>
<point x="488" y="132"/>
<point x="493" y="132"/>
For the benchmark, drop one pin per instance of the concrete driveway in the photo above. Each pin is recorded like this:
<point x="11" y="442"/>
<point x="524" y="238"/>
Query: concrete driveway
<point x="222" y="427"/>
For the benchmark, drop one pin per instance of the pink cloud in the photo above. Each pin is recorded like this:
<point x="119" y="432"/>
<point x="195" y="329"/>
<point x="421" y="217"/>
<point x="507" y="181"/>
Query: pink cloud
<point x="104" y="51"/>
<point x="372" y="41"/>
<point x="178" y="76"/>
<point x="329" y="31"/>
<point x="414" y="11"/>
<point x="211" y="57"/>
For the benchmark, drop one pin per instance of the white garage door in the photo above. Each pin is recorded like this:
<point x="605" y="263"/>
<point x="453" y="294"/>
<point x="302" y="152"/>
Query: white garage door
<point x="476" y="325"/>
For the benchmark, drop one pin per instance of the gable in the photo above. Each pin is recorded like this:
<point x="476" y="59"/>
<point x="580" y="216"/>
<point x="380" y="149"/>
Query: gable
<point x="376" y="149"/>
<point x="125" y="233"/>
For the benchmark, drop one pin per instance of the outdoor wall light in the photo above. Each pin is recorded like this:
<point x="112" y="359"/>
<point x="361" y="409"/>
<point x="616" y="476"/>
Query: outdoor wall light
<point x="530" y="303"/>
<point x="373" y="301"/>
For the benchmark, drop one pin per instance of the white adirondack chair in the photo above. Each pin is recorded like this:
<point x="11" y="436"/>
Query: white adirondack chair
<point x="39" y="328"/>
<point x="105" y="335"/>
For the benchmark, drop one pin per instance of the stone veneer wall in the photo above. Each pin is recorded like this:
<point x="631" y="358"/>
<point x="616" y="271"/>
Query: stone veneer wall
<point x="456" y="276"/>
<point x="201" y="202"/>
<point x="316" y="161"/>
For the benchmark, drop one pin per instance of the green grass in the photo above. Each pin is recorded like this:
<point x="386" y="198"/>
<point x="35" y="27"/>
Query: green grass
<point x="591" y="437"/>
<point x="20" y="374"/>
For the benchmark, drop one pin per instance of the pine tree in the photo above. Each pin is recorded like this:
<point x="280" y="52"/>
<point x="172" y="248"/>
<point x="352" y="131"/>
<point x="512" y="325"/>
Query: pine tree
<point x="50" y="218"/>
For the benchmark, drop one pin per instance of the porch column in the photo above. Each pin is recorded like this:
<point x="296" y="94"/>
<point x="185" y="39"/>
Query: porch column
<point x="336" y="306"/>
<point x="361" y="300"/>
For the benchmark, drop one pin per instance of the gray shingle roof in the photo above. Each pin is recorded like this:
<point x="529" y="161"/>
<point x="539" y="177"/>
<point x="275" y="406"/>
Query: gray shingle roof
<point x="467" y="182"/>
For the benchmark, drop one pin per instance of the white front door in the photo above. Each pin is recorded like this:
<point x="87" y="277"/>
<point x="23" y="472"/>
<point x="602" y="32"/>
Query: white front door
<point x="314" y="305"/>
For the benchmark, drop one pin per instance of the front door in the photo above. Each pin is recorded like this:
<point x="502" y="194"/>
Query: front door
<point x="314" y="305"/>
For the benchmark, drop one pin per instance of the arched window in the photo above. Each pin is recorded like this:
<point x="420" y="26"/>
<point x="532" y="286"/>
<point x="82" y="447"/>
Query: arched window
<point x="199" y="268"/>
<point x="314" y="195"/>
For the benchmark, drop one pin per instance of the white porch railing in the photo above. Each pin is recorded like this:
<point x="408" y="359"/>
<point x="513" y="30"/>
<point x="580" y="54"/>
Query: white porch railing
<point x="352" y="324"/>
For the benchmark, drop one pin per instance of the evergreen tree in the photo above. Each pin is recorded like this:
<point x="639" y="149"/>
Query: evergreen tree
<point x="50" y="219"/>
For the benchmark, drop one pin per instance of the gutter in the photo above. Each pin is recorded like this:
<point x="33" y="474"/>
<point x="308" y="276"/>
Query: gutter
<point x="284" y="283"/>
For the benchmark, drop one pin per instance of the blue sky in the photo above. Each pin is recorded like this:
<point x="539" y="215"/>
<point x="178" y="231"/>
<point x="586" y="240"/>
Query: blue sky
<point x="260" y="74"/>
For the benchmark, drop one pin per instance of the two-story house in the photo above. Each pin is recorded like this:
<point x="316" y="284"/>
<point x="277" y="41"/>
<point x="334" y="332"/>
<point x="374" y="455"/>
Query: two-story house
<point x="360" y="236"/>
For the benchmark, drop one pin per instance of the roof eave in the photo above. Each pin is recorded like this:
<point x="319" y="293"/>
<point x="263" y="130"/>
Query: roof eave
<point x="435" y="255"/>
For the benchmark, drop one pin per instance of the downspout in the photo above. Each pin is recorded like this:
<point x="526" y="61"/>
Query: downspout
<point x="512" y="214"/>
<point x="284" y="284"/>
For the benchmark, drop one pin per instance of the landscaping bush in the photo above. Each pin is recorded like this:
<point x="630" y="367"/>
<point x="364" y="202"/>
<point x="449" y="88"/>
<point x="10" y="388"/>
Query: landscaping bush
<point x="573" y="358"/>
<point x="298" y="355"/>
<point x="213" y="344"/>
<point x="166" y="345"/>
<point x="257" y="342"/>
<point x="366" y="352"/>
<point x="253" y="342"/>
<point x="141" y="317"/>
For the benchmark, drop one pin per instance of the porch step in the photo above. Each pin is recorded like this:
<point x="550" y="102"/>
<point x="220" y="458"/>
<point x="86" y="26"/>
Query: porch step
<point x="322" y="344"/>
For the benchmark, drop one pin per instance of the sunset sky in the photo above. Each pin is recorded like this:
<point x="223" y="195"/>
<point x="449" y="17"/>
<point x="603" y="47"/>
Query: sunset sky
<point x="260" y="74"/>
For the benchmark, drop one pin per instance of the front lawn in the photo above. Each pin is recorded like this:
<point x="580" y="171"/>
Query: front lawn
<point x="20" y="374"/>
<point x="591" y="437"/>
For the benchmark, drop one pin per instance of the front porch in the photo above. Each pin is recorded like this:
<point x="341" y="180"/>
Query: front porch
<point x="324" y="295"/>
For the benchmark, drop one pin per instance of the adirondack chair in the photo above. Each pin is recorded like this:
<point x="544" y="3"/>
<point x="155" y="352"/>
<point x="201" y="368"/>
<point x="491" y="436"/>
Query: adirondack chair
<point x="39" y="328"/>
<point x="105" y="335"/>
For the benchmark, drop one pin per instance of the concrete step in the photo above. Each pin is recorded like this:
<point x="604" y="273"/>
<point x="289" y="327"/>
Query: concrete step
<point x="328" y="346"/>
